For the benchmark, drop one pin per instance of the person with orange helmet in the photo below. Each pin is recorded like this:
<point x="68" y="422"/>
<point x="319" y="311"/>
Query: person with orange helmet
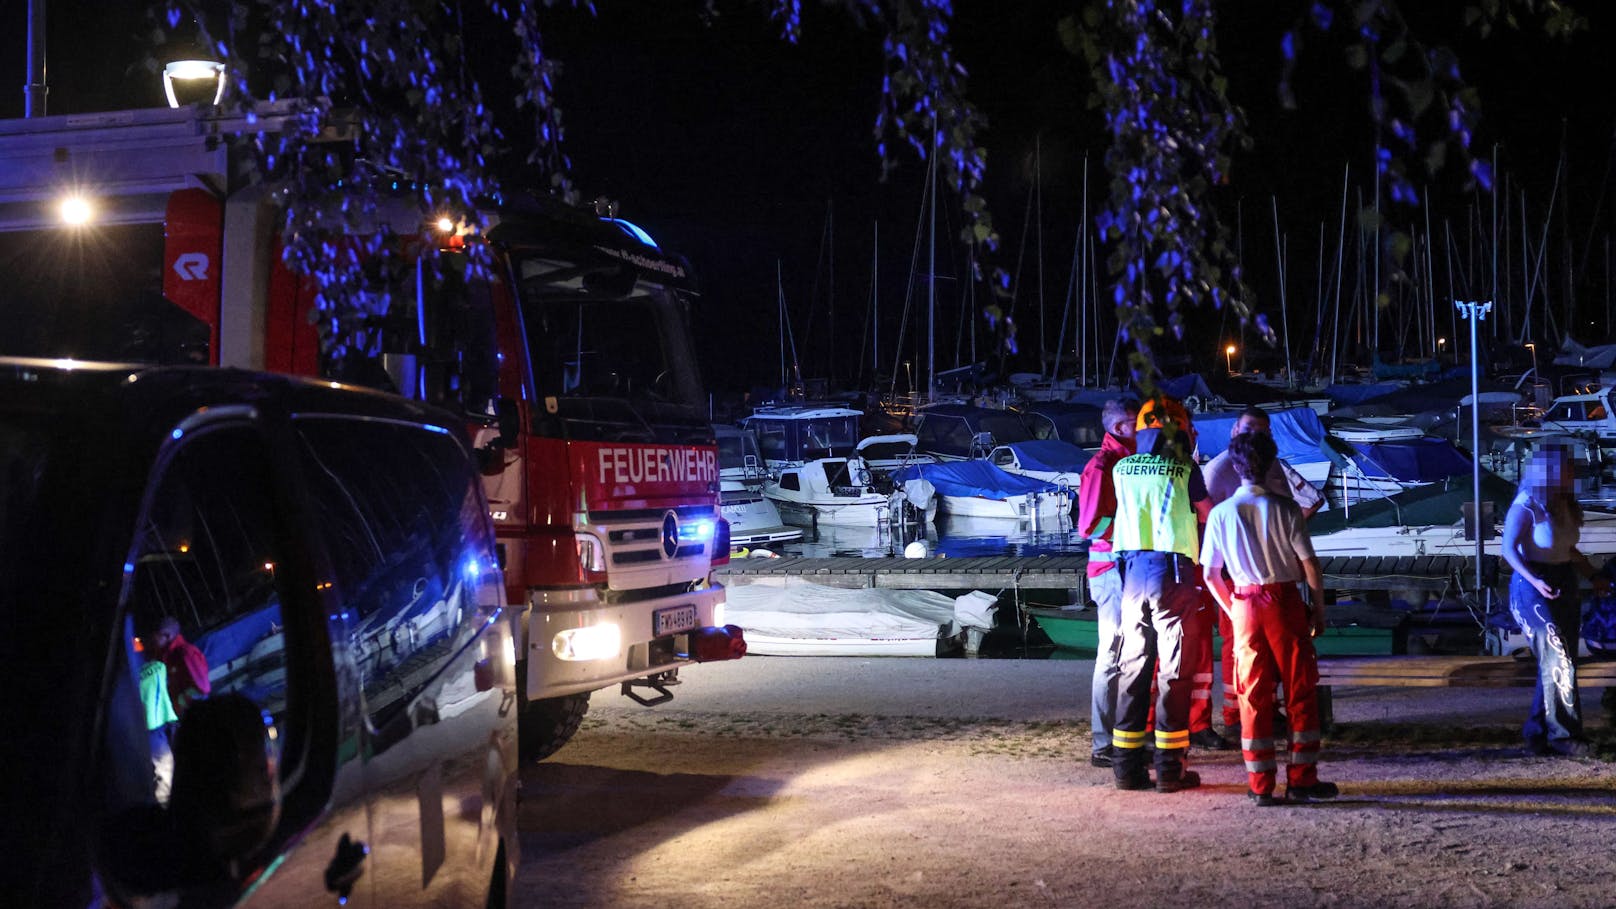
<point x="1161" y="502"/>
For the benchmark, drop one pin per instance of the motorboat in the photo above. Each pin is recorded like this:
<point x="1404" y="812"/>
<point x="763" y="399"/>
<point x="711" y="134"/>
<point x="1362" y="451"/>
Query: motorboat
<point x="753" y="519"/>
<point x="1587" y="413"/>
<point x="1429" y="520"/>
<point x="1050" y="460"/>
<point x="1373" y="470"/>
<point x="885" y="454"/>
<point x="794" y="434"/>
<point x="828" y="491"/>
<point x="977" y="488"/>
<point x="959" y="432"/>
<point x="1071" y="422"/>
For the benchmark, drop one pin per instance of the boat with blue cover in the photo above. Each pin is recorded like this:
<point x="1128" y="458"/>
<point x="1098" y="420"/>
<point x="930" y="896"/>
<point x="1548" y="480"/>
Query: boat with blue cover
<point x="977" y="488"/>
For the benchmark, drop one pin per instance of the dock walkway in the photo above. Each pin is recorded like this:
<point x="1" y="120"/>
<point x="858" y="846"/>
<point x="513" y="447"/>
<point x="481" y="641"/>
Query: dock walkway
<point x="1430" y="573"/>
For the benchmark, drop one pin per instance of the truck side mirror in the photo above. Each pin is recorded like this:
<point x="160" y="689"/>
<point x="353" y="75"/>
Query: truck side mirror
<point x="226" y="796"/>
<point x="510" y="423"/>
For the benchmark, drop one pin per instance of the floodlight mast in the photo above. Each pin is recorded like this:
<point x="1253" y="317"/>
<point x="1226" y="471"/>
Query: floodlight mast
<point x="1473" y="312"/>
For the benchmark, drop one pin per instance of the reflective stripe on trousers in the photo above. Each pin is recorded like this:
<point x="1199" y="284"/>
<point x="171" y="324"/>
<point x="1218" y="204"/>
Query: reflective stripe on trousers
<point x="1273" y="646"/>
<point x="1160" y="628"/>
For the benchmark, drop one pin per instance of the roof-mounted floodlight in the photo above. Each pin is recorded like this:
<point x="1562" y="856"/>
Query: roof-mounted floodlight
<point x="193" y="79"/>
<point x="75" y="210"/>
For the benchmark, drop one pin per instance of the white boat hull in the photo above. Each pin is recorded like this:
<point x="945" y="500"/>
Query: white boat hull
<point x="1598" y="540"/>
<point x="1043" y="508"/>
<point x="754" y="520"/>
<point x="861" y="512"/>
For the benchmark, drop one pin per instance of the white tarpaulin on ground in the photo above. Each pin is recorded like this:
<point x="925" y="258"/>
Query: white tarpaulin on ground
<point x="811" y="620"/>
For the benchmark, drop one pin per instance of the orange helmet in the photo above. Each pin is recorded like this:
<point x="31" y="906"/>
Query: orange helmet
<point x="1159" y="413"/>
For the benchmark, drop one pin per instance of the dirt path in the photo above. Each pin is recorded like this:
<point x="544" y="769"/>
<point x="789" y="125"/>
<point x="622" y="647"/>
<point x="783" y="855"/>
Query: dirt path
<point x="798" y="803"/>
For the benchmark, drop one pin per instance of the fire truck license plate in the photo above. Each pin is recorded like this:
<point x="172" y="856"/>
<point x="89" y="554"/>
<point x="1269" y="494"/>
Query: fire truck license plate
<point x="673" y="620"/>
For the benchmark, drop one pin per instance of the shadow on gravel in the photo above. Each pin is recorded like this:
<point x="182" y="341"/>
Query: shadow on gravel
<point x="1509" y="797"/>
<point x="1393" y="742"/>
<point x="564" y="806"/>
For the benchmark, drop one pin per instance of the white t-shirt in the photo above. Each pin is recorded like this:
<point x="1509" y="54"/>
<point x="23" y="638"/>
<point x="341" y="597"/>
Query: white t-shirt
<point x="1258" y="537"/>
<point x="1222" y="480"/>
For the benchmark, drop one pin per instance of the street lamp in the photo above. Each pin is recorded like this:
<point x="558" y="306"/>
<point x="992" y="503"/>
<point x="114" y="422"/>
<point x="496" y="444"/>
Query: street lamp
<point x="1473" y="311"/>
<point x="1228" y="359"/>
<point x="196" y="81"/>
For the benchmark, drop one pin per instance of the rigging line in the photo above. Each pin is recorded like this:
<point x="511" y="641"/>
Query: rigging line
<point x="909" y="288"/>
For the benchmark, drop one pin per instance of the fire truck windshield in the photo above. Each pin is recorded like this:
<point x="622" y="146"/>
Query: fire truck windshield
<point x="622" y="362"/>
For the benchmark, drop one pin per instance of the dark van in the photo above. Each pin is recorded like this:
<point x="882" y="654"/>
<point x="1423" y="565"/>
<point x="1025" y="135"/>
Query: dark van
<point x="253" y="646"/>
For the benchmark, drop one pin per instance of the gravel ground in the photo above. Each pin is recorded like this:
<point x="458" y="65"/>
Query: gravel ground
<point x="942" y="783"/>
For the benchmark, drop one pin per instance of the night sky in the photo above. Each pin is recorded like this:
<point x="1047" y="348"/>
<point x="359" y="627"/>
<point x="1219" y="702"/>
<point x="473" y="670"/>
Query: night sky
<point x="731" y="146"/>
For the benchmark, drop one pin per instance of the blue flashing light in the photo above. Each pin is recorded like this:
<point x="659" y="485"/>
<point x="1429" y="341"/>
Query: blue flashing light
<point x="474" y="568"/>
<point x="176" y="433"/>
<point x="128" y="568"/>
<point x="699" y="531"/>
<point x="440" y="430"/>
<point x="636" y="231"/>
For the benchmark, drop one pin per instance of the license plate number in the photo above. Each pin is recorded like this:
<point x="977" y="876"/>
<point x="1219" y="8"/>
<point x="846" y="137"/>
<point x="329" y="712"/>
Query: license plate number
<point x="673" y="620"/>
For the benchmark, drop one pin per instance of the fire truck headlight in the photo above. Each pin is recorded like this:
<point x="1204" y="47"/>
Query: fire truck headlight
<point x="595" y="642"/>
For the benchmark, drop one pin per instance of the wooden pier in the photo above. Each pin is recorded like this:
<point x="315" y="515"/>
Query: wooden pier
<point x="1426" y="573"/>
<point x="1030" y="572"/>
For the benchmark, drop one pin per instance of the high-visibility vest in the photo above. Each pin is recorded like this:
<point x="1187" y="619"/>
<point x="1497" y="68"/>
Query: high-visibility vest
<point x="1153" y="506"/>
<point x="154" y="695"/>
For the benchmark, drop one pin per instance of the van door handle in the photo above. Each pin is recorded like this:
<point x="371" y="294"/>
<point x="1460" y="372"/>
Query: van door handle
<point x="346" y="867"/>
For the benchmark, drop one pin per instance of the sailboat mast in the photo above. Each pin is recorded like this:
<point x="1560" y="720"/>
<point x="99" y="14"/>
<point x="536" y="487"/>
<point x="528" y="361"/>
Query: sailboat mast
<point x="1083" y="279"/>
<point x="931" y="275"/>
<point x="1038" y="248"/>
<point x="1340" y="266"/>
<point x="875" y="304"/>
<point x="1284" y="310"/>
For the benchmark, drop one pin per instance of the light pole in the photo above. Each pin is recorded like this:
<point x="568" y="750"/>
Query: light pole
<point x="1228" y="359"/>
<point x="1533" y="348"/>
<point x="1474" y="312"/>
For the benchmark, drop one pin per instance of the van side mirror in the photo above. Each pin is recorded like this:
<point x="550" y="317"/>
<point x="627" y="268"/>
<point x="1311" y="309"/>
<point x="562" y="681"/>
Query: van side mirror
<point x="226" y="795"/>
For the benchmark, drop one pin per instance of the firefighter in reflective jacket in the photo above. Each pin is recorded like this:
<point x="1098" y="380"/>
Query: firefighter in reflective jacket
<point x="1161" y="502"/>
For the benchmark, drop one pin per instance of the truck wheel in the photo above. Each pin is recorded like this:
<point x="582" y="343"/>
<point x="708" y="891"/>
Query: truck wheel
<point x="548" y="724"/>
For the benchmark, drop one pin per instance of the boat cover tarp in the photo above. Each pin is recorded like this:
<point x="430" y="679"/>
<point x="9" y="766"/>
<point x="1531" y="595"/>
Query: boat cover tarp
<point x="792" y="620"/>
<point x="1076" y="423"/>
<point x="1185" y="386"/>
<point x="973" y="478"/>
<point x="1050" y="455"/>
<point x="1359" y="393"/>
<point x="1297" y="431"/>
<point x="1424" y="460"/>
<point x="1422" y="506"/>
<point x="1598" y="356"/>
<point x="950" y="429"/>
<point x="1440" y="396"/>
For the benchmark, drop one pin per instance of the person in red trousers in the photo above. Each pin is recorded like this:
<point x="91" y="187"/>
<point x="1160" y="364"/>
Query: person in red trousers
<point x="1256" y="549"/>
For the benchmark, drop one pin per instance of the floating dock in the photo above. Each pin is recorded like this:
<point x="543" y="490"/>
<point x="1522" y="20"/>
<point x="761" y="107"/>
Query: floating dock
<point x="1429" y="573"/>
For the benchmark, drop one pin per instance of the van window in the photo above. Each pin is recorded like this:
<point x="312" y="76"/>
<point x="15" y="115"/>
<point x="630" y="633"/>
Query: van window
<point x="202" y="617"/>
<point x="410" y="547"/>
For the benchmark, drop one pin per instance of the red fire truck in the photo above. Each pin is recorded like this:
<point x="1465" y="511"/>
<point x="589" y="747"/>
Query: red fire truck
<point x="132" y="236"/>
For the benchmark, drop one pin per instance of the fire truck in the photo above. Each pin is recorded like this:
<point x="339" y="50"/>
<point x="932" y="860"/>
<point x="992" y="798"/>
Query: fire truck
<point x="134" y="236"/>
